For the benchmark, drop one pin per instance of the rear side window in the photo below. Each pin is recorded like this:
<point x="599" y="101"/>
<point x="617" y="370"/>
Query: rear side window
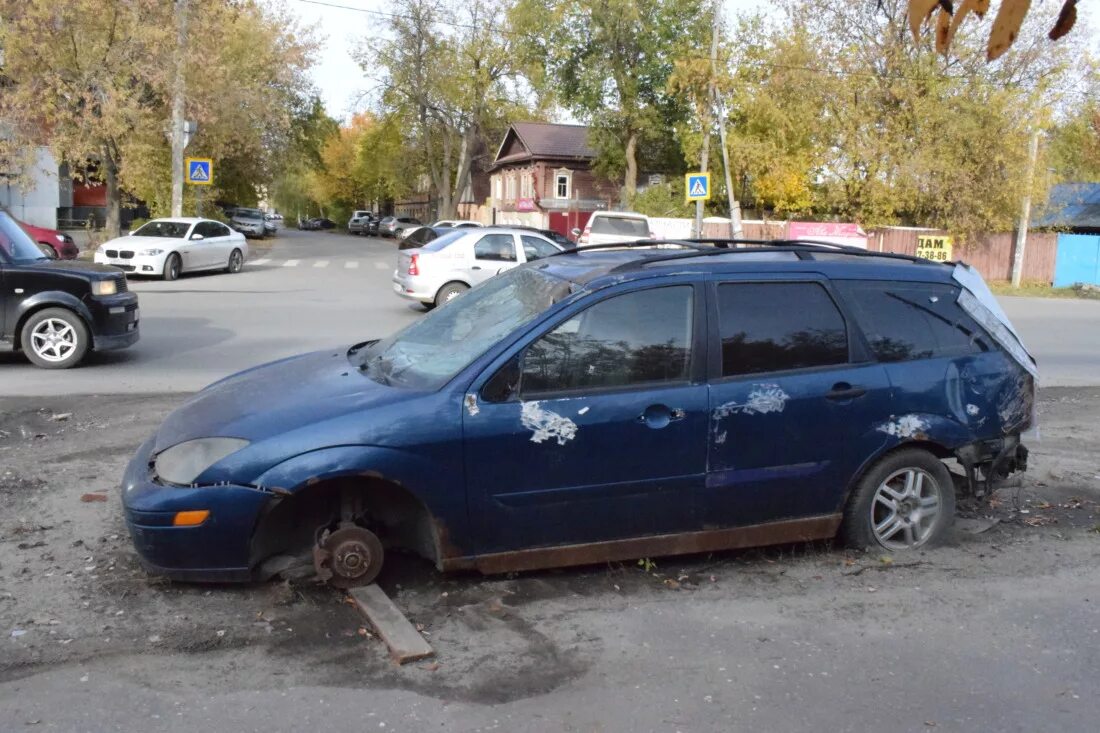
<point x="637" y="338"/>
<point x="771" y="327"/>
<point x="621" y="226"/>
<point x="905" y="321"/>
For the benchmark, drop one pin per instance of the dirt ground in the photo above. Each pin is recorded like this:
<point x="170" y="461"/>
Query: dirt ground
<point x="73" y="593"/>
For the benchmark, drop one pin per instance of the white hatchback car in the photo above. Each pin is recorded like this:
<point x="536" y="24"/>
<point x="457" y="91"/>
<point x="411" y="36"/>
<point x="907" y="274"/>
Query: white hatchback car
<point x="456" y="261"/>
<point x="169" y="247"/>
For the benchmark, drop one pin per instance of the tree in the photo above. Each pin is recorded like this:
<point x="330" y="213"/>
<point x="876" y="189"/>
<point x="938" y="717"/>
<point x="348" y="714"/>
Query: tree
<point x="838" y="112"/>
<point x="98" y="98"/>
<point x="609" y="62"/>
<point x="450" y="73"/>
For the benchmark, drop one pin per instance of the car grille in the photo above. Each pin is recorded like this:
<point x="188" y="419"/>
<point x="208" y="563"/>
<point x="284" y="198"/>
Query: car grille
<point x="112" y="253"/>
<point x="122" y="286"/>
<point x="125" y="254"/>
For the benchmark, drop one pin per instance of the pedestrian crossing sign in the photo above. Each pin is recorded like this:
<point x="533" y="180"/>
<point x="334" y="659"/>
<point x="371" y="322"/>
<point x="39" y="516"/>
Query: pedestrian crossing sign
<point x="200" y="171"/>
<point x="697" y="186"/>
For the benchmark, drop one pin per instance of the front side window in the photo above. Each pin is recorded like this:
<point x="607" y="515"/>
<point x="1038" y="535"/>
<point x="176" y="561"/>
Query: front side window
<point x="637" y="338"/>
<point x="535" y="248"/>
<point x="771" y="327"/>
<point x="620" y="225"/>
<point x="496" y="247"/>
<point x="904" y="321"/>
<point x="15" y="244"/>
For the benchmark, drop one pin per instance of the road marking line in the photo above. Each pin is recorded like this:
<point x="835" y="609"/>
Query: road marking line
<point x="321" y="263"/>
<point x="290" y="263"/>
<point x="351" y="264"/>
<point x="261" y="261"/>
<point x="381" y="265"/>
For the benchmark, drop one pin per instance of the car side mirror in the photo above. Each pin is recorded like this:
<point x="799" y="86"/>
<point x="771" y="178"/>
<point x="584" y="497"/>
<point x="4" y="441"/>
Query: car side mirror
<point x="130" y="233"/>
<point x="196" y="237"/>
<point x="576" y="232"/>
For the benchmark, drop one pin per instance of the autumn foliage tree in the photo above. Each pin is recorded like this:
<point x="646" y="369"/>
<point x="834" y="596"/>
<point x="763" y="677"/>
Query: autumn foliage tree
<point x="91" y="80"/>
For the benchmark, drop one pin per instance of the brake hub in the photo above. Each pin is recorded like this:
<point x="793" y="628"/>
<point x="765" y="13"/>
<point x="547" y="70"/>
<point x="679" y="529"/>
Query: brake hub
<point x="349" y="557"/>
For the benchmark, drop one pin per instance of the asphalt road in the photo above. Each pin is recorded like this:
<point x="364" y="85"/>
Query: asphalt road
<point x="314" y="290"/>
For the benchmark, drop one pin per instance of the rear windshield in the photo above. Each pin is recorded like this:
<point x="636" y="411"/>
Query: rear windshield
<point x="428" y="353"/>
<point x="443" y="240"/>
<point x="249" y="214"/>
<point x="166" y="229"/>
<point x="620" y="225"/>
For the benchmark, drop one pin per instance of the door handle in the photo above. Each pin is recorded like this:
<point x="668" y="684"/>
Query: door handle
<point x="476" y="267"/>
<point x="845" y="391"/>
<point x="659" y="416"/>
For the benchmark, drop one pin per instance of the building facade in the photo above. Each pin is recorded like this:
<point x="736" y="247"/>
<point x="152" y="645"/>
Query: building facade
<point x="542" y="177"/>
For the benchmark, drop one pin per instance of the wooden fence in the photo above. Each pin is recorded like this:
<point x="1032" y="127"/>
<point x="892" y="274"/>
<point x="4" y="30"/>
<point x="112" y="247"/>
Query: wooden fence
<point x="989" y="254"/>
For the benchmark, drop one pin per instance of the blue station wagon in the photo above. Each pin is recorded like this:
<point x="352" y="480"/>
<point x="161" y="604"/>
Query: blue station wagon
<point x="604" y="404"/>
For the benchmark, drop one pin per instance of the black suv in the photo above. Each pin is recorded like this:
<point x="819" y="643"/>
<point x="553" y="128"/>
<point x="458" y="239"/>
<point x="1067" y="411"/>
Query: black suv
<point x="54" y="311"/>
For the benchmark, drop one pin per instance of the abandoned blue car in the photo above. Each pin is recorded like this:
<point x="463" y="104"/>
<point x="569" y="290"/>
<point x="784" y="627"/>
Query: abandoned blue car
<point x="604" y="404"/>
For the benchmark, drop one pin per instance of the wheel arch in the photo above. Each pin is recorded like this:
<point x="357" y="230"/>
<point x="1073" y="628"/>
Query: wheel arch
<point x="42" y="301"/>
<point x="937" y="449"/>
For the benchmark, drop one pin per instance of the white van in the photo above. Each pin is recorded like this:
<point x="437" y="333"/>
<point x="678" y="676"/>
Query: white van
<point x="612" y="227"/>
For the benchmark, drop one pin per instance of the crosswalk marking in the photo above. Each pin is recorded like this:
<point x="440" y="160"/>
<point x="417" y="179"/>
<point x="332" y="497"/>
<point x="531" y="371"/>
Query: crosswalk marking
<point x="351" y="264"/>
<point x="290" y="263"/>
<point x="378" y="265"/>
<point x="261" y="261"/>
<point x="321" y="263"/>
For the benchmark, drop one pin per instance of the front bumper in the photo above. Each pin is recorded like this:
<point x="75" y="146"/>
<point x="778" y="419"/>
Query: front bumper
<point x="218" y="550"/>
<point x="136" y="265"/>
<point x="115" y="321"/>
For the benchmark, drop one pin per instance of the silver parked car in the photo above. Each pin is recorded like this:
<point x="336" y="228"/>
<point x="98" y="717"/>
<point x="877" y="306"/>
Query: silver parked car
<point x="453" y="263"/>
<point x="359" y="223"/>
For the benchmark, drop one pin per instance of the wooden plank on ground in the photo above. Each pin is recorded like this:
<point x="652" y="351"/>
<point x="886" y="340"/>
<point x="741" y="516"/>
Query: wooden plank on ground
<point x="404" y="641"/>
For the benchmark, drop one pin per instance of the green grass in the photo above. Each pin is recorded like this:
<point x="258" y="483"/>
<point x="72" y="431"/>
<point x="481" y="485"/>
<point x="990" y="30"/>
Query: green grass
<point x="1033" y="290"/>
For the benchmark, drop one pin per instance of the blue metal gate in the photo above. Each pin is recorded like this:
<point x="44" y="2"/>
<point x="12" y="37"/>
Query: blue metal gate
<point x="1077" y="260"/>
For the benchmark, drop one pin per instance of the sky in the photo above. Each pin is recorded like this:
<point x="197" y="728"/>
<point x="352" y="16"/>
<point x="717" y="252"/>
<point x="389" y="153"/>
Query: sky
<point x="339" y="80"/>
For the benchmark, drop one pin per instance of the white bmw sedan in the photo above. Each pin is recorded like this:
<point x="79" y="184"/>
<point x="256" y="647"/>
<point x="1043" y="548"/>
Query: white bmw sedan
<point x="170" y="247"/>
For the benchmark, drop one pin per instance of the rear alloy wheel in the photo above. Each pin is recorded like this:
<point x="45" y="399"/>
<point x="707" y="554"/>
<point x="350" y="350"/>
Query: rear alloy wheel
<point x="349" y="557"/>
<point x="55" y="338"/>
<point x="905" y="502"/>
<point x="449" y="292"/>
<point x="172" y="267"/>
<point x="236" y="262"/>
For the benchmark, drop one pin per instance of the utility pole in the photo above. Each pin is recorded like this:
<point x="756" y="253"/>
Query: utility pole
<point x="708" y="110"/>
<point x="1025" y="210"/>
<point x="178" y="131"/>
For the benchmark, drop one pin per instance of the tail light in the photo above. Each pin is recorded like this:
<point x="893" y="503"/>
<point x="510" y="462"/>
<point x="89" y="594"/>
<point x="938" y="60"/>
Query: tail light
<point x="583" y="239"/>
<point x="413" y="268"/>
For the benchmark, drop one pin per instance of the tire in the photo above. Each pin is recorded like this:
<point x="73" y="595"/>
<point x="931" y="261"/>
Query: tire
<point x="172" y="267"/>
<point x="450" y="291"/>
<point x="236" y="262"/>
<point x="55" y="338"/>
<point x="905" y="501"/>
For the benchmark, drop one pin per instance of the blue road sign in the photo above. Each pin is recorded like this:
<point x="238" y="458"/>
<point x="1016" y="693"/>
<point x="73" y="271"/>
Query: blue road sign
<point x="200" y="171"/>
<point x="697" y="186"/>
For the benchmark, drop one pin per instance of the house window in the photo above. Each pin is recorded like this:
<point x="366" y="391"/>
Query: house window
<point x="498" y="187"/>
<point x="562" y="184"/>
<point x="511" y="187"/>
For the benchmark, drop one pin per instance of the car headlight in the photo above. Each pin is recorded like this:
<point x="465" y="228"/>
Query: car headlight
<point x="185" y="462"/>
<point x="104" y="287"/>
<point x="150" y="252"/>
<point x="59" y="238"/>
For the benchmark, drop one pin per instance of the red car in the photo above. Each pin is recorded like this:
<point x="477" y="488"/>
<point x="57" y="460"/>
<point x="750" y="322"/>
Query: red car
<point x="62" y="244"/>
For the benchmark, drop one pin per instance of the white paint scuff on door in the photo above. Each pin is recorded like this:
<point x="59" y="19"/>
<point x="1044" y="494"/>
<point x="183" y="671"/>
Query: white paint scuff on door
<point x="546" y="425"/>
<point x="582" y="410"/>
<point x="972" y="410"/>
<point x="763" y="398"/>
<point x="906" y="426"/>
<point x="471" y="405"/>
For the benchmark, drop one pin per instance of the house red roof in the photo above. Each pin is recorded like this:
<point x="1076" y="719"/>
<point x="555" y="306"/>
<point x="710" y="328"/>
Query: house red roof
<point x="528" y="140"/>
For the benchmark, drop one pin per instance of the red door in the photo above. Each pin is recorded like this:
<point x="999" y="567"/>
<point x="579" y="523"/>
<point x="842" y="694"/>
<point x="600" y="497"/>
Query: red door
<point x="565" y="222"/>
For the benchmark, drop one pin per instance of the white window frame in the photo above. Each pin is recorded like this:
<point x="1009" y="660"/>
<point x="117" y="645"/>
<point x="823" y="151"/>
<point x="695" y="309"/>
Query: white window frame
<point x="559" y="174"/>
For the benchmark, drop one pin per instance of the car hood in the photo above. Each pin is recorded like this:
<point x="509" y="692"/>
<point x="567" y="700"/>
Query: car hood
<point x="277" y="398"/>
<point x="142" y="243"/>
<point x="77" y="267"/>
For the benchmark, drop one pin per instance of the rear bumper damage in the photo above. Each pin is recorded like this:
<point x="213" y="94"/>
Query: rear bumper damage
<point x="988" y="463"/>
